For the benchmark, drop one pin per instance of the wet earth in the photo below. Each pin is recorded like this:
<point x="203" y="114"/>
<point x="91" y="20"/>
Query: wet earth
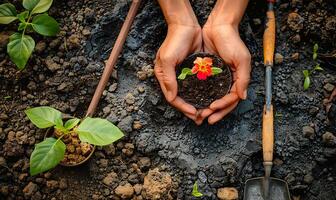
<point x="164" y="153"/>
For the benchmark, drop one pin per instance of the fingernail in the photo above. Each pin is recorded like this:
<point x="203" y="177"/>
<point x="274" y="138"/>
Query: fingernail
<point x="245" y="94"/>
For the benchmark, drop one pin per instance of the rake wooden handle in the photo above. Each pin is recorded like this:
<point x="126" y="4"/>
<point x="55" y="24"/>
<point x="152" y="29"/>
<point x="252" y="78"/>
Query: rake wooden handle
<point x="269" y="39"/>
<point x="113" y="56"/>
<point x="268" y="134"/>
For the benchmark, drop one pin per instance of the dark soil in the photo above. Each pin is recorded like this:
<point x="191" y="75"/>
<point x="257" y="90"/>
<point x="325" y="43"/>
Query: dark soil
<point x="201" y="93"/>
<point x="158" y="136"/>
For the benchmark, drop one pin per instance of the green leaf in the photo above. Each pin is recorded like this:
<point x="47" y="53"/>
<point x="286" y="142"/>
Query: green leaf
<point x="184" y="73"/>
<point x="314" y="56"/>
<point x="23" y="16"/>
<point x="98" y="131"/>
<point x="305" y="73"/>
<point x="318" y="68"/>
<point x="44" y="116"/>
<point x="315" y="48"/>
<point x="20" y="48"/>
<point x="216" y="70"/>
<point x="71" y="123"/>
<point x="306" y="83"/>
<point x="46" y="155"/>
<point x="45" y="25"/>
<point x="7" y="13"/>
<point x="195" y="191"/>
<point x="22" y="25"/>
<point x="37" y="6"/>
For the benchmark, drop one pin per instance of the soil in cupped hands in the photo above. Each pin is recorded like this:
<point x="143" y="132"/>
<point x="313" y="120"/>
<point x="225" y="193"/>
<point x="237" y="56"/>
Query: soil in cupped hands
<point x="201" y="93"/>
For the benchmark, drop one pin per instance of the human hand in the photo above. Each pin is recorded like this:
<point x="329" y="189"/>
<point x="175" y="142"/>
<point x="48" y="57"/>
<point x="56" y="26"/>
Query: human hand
<point x="224" y="40"/>
<point x="181" y="40"/>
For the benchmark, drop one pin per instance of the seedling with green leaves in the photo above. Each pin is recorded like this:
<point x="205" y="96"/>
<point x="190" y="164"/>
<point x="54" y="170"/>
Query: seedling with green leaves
<point x="195" y="191"/>
<point x="21" y="45"/>
<point x="307" y="73"/>
<point x="50" y="152"/>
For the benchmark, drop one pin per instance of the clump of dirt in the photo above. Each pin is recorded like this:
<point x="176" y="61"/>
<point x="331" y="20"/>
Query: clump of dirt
<point x="201" y="93"/>
<point x="76" y="150"/>
<point x="157" y="185"/>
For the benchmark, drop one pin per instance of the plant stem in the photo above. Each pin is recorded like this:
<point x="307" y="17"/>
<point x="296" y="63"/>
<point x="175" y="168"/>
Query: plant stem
<point x="27" y="22"/>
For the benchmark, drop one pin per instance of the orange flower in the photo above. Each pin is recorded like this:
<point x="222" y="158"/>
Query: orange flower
<point x="202" y="67"/>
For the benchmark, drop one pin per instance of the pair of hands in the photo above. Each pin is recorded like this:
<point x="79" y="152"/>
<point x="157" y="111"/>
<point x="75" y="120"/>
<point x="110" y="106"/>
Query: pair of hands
<point x="221" y="39"/>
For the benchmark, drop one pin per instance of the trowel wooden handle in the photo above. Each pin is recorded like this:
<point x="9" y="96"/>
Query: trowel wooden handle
<point x="268" y="134"/>
<point x="269" y="39"/>
<point x="118" y="45"/>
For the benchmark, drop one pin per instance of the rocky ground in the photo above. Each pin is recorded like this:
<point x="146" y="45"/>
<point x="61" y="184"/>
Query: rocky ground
<point x="164" y="153"/>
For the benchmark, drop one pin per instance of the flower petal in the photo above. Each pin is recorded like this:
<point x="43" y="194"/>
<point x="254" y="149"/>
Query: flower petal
<point x="201" y="76"/>
<point x="207" y="61"/>
<point x="198" y="61"/>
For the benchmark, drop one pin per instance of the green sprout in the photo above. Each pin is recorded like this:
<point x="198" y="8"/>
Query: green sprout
<point x="21" y="45"/>
<point x="307" y="73"/>
<point x="195" y="191"/>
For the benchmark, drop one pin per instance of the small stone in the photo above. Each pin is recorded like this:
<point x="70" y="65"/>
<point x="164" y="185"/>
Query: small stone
<point x="51" y="65"/>
<point x="52" y="184"/>
<point x="40" y="47"/>
<point x="86" y="32"/>
<point x="257" y="21"/>
<point x="29" y="189"/>
<point x="296" y="38"/>
<point x="227" y="193"/>
<point x="329" y="87"/>
<point x="93" y="67"/>
<point x="137" y="125"/>
<point x="103" y="163"/>
<point x="157" y="185"/>
<point x="109" y="149"/>
<point x="141" y="75"/>
<point x="130" y="99"/>
<point x="295" y="56"/>
<point x="308" y="132"/>
<point x="113" y="87"/>
<point x="295" y="21"/>
<point x="125" y="191"/>
<point x="4" y="190"/>
<point x="126" y="124"/>
<point x="137" y="188"/>
<point x="308" y="178"/>
<point x="329" y="139"/>
<point x="144" y="163"/>
<point x="141" y="89"/>
<point x="278" y="58"/>
<point x="74" y="41"/>
<point x="106" y="110"/>
<point x="111" y="178"/>
<point x="3" y="162"/>
<point x="128" y="149"/>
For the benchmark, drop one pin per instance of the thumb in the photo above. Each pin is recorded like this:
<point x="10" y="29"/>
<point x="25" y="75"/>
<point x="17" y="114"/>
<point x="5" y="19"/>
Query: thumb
<point x="243" y="76"/>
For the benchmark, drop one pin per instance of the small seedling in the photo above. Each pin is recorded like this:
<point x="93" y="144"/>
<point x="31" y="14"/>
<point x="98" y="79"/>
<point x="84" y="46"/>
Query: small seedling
<point x="307" y="73"/>
<point x="21" y="46"/>
<point x="195" y="191"/>
<point x="202" y="68"/>
<point x="50" y="152"/>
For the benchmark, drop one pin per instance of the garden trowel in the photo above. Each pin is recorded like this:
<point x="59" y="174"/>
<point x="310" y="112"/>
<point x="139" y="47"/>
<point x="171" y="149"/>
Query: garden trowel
<point x="267" y="188"/>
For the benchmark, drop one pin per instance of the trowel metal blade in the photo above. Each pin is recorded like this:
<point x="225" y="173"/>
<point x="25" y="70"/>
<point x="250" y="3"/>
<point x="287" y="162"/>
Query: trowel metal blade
<point x="254" y="189"/>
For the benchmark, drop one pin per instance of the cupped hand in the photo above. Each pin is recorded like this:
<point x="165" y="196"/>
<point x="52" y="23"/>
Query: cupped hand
<point x="181" y="40"/>
<point x="224" y="40"/>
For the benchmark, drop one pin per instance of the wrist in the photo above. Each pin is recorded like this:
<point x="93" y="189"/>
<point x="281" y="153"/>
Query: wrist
<point x="178" y="12"/>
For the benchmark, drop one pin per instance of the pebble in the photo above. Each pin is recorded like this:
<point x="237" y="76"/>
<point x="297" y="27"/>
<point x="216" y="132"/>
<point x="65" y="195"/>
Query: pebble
<point x="227" y="193"/>
<point x="295" y="21"/>
<point x="329" y="139"/>
<point x="295" y="56"/>
<point x="52" y="184"/>
<point x="126" y="124"/>
<point x="125" y="191"/>
<point x="308" y="132"/>
<point x="137" y="125"/>
<point x="63" y="184"/>
<point x="329" y="87"/>
<point x="113" y="87"/>
<point x="51" y="65"/>
<point x="141" y="89"/>
<point x="110" y="178"/>
<point x="308" y="178"/>
<point x="103" y="163"/>
<point x="157" y="185"/>
<point x="278" y="58"/>
<point x="144" y="163"/>
<point x="93" y="67"/>
<point x="137" y="189"/>
<point x="30" y="189"/>
<point x="86" y="32"/>
<point x="73" y="41"/>
<point x="109" y="149"/>
<point x="40" y="47"/>
<point x="128" y="149"/>
<point x="130" y="99"/>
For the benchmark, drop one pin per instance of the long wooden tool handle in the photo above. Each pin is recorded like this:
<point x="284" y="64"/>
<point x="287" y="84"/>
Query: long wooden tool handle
<point x="113" y="56"/>
<point x="269" y="39"/>
<point x="268" y="134"/>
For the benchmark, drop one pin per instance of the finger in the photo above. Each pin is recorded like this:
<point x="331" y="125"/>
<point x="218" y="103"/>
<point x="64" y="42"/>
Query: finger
<point x="184" y="107"/>
<point x="243" y="76"/>
<point x="224" y="102"/>
<point x="202" y="114"/>
<point x="192" y="117"/>
<point x="220" y="114"/>
<point x="165" y="73"/>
